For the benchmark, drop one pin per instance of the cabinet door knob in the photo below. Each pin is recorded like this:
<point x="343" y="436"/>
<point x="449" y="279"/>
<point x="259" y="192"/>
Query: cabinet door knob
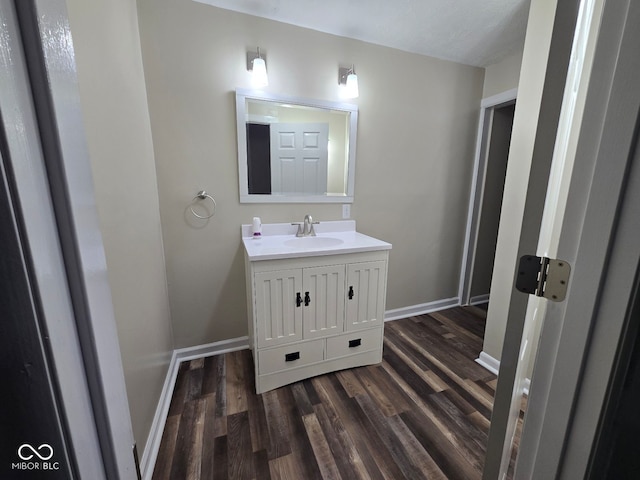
<point x="298" y="299"/>
<point x="350" y="292"/>
<point x="307" y="299"/>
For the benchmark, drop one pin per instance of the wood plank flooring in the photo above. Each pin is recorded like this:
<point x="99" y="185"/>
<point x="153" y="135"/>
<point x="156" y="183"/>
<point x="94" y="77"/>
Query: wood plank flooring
<point x="423" y="412"/>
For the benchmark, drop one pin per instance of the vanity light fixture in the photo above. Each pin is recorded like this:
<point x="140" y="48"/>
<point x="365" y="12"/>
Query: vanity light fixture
<point x="257" y="65"/>
<point x="347" y="77"/>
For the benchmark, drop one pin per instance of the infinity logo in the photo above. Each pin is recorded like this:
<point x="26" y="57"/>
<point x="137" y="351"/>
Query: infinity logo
<point x="46" y="455"/>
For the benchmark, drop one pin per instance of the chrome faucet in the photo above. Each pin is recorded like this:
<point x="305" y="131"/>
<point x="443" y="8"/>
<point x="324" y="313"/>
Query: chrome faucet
<point x="305" y="228"/>
<point x="308" y="226"/>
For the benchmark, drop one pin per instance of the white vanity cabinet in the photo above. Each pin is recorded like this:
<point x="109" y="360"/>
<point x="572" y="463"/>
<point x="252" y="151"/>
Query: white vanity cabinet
<point x="296" y="300"/>
<point x="315" y="314"/>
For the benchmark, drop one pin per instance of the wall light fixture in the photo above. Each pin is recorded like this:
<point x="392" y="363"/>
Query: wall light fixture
<point x="348" y="78"/>
<point x="256" y="63"/>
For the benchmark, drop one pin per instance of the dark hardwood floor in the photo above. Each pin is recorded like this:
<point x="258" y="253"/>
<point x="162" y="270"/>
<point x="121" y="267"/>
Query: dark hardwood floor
<point x="422" y="413"/>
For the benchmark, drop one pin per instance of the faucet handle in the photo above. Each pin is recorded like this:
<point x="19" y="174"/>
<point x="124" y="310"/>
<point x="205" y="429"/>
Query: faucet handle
<point x="300" y="231"/>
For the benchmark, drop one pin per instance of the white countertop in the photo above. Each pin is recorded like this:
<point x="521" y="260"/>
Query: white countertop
<point x="272" y="244"/>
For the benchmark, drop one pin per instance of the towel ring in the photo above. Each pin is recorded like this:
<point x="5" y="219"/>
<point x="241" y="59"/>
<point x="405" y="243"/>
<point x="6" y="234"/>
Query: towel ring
<point x="202" y="195"/>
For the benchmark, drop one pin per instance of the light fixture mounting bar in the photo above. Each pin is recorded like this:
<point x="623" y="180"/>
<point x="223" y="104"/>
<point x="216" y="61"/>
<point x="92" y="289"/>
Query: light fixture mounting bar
<point x="251" y="56"/>
<point x="343" y="73"/>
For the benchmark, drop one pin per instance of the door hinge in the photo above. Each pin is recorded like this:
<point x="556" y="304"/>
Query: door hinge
<point x="543" y="277"/>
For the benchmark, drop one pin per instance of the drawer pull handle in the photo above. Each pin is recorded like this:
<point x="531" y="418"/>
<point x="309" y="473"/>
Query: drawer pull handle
<point x="307" y="299"/>
<point x="290" y="357"/>
<point x="350" y="292"/>
<point x="298" y="299"/>
<point x="355" y="343"/>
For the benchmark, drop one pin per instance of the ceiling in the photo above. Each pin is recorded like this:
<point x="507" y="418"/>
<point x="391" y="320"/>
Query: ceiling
<point x="473" y="32"/>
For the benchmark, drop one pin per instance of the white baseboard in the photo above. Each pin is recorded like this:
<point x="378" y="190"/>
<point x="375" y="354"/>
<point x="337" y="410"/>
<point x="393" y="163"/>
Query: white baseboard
<point x="493" y="365"/>
<point x="421" y="309"/>
<point x="150" y="454"/>
<point x="215" y="348"/>
<point x="488" y="362"/>
<point x="479" y="299"/>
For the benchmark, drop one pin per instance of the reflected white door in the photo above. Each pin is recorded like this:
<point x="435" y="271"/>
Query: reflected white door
<point x="299" y="158"/>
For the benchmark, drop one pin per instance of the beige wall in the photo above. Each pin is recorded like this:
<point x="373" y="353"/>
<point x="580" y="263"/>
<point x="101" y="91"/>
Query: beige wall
<point x="502" y="76"/>
<point x="416" y="134"/>
<point x="534" y="63"/>
<point x="114" y="105"/>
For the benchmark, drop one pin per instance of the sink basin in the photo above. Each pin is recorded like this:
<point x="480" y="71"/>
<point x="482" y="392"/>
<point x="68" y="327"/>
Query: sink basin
<point x="278" y="241"/>
<point x="313" y="242"/>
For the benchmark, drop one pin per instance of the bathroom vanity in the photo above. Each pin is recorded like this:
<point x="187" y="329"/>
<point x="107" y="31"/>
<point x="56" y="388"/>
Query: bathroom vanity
<point x="315" y="303"/>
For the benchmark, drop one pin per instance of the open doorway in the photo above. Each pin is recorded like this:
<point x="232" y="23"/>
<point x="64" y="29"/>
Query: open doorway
<point x="492" y="153"/>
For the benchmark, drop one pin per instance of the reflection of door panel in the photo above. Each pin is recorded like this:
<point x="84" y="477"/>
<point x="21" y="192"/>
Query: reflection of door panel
<point x="299" y="157"/>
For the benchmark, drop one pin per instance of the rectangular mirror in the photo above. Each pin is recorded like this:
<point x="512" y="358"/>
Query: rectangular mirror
<point x="295" y="150"/>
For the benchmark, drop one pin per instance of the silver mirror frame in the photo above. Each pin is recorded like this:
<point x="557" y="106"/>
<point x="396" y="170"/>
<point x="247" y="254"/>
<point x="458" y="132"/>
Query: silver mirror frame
<point x="245" y="197"/>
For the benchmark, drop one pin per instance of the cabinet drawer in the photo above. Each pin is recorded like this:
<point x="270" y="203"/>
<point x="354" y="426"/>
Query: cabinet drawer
<point x="352" y="343"/>
<point x="290" y="356"/>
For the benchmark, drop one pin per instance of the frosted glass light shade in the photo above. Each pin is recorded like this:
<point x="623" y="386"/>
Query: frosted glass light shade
<point x="352" y="86"/>
<point x="260" y="78"/>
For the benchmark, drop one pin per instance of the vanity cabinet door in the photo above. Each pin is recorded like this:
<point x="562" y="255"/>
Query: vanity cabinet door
<point x="279" y="305"/>
<point x="365" y="290"/>
<point x="324" y="297"/>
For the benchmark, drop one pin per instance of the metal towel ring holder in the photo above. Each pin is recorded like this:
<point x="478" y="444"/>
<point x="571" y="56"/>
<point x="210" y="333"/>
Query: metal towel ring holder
<point x="202" y="195"/>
